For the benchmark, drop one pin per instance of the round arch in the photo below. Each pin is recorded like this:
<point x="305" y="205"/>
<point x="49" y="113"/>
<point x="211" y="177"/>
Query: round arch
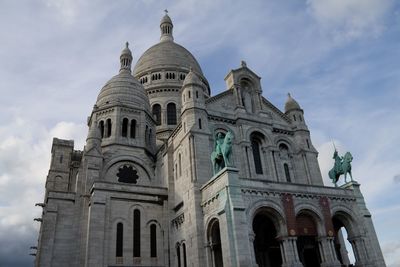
<point x="314" y="213"/>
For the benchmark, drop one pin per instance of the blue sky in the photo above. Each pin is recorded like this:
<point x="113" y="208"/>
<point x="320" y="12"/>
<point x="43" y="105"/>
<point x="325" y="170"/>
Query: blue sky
<point x="338" y="58"/>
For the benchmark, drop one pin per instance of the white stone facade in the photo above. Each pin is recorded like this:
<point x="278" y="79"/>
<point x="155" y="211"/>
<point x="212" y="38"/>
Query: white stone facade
<point x="143" y="192"/>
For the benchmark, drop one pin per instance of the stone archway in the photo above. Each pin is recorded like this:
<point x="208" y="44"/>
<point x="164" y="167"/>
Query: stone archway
<point x="342" y="254"/>
<point x="266" y="245"/>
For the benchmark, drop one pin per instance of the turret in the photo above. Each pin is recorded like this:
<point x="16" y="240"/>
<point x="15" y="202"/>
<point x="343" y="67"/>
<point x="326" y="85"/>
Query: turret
<point x="193" y="102"/>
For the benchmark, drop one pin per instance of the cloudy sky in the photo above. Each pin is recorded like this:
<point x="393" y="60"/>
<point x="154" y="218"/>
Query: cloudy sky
<point x="340" y="59"/>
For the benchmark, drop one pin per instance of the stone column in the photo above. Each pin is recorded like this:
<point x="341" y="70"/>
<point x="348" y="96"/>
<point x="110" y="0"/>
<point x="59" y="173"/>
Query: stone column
<point x="327" y="251"/>
<point x="252" y="237"/>
<point x="290" y="256"/>
<point x="343" y="251"/>
<point x="95" y="251"/>
<point x="359" y="250"/>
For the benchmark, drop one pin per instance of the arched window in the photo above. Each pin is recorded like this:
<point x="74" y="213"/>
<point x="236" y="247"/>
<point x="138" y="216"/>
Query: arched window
<point x="146" y="131"/>
<point x="157" y="113"/>
<point x="109" y="126"/>
<point x="101" y="126"/>
<point x="171" y="114"/>
<point x="199" y="123"/>
<point x="120" y="240"/>
<point x="197" y="94"/>
<point x="255" y="145"/>
<point x="184" y="255"/>
<point x="133" y="128"/>
<point x="153" y="240"/>
<point x="287" y="173"/>
<point x="125" y="127"/>
<point x="136" y="233"/>
<point x="178" y="254"/>
<point x="180" y="164"/>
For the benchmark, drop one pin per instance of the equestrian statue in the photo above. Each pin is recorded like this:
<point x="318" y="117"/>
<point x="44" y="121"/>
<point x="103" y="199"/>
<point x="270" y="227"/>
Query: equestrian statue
<point x="221" y="157"/>
<point x="342" y="166"/>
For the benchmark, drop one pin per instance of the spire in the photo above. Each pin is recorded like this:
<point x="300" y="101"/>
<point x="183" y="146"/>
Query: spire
<point x="126" y="58"/>
<point x="166" y="27"/>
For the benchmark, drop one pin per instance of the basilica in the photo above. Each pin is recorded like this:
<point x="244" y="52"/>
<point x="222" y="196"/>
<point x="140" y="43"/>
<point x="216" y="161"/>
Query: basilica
<point x="172" y="175"/>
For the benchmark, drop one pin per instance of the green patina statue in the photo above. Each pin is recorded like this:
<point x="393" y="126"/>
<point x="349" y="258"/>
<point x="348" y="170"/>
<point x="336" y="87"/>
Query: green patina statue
<point x="342" y="166"/>
<point x="222" y="155"/>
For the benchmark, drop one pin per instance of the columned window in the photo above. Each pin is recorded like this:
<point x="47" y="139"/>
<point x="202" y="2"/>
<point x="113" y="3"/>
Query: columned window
<point x="287" y="173"/>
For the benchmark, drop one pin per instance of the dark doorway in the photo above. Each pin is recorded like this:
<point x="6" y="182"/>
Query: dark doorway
<point x="308" y="251"/>
<point x="307" y="244"/>
<point x="215" y="244"/>
<point x="266" y="245"/>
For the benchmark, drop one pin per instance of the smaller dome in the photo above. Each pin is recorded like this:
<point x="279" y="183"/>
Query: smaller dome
<point x="123" y="88"/>
<point x="192" y="79"/>
<point x="291" y="104"/>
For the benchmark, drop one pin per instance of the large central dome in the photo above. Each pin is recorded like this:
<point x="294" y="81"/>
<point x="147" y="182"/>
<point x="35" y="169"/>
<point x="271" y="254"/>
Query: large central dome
<point x="166" y="54"/>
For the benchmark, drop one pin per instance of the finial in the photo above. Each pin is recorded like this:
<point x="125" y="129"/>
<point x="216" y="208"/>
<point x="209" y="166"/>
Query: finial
<point x="243" y="63"/>
<point x="166" y="11"/>
<point x="288" y="94"/>
<point x="127" y="45"/>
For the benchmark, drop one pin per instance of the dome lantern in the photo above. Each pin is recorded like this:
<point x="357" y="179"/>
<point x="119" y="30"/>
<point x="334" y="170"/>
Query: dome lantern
<point x="166" y="27"/>
<point x="126" y="58"/>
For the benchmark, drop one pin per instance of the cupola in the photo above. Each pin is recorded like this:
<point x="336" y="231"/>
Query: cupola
<point x="166" y="27"/>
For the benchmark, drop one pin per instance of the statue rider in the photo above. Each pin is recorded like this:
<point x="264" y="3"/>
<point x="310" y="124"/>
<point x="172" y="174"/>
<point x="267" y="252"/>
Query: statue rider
<point x="338" y="162"/>
<point x="218" y="145"/>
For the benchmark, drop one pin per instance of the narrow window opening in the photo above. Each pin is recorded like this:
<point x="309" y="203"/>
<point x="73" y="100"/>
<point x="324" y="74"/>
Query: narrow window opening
<point x="157" y="113"/>
<point x="301" y="119"/>
<point x="133" y="128"/>
<point x="294" y="117"/>
<point x="61" y="158"/>
<point x="180" y="164"/>
<point x="136" y="233"/>
<point x="184" y="255"/>
<point x="153" y="241"/>
<point x="287" y="173"/>
<point x="171" y="114"/>
<point x="101" y="126"/>
<point x="308" y="143"/>
<point x="108" y="127"/>
<point x="197" y="94"/>
<point x="120" y="238"/>
<point x="256" y="155"/>
<point x="199" y="123"/>
<point x="189" y="94"/>
<point x="178" y="254"/>
<point x="125" y="127"/>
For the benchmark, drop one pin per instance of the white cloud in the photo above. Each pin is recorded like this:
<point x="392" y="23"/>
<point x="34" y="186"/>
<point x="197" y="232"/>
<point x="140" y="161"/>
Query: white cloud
<point x="25" y="150"/>
<point x="348" y="19"/>
<point x="391" y="251"/>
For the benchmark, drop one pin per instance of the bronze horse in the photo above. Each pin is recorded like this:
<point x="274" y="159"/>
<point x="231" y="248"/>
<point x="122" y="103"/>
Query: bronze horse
<point x="342" y="166"/>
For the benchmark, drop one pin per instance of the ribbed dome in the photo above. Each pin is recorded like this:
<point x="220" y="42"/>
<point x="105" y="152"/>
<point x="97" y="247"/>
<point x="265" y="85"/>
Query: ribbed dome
<point x="125" y="89"/>
<point x="166" y="55"/>
<point x="291" y="104"/>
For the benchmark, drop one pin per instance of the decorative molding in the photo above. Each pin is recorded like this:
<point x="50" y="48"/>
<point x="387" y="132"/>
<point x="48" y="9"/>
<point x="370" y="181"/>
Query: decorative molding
<point x="178" y="220"/>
